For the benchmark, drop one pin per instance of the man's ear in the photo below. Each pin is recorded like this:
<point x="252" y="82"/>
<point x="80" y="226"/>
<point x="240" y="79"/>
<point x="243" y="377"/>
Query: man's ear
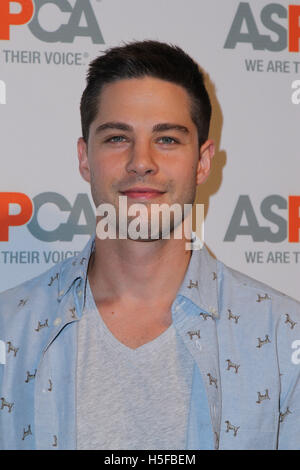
<point x="206" y="153"/>
<point x="84" y="167"/>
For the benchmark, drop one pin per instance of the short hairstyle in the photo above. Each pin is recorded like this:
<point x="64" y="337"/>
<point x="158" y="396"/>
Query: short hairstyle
<point x="147" y="59"/>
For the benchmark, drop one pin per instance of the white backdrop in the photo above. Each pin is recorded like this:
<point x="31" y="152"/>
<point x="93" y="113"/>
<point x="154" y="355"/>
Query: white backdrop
<point x="255" y="125"/>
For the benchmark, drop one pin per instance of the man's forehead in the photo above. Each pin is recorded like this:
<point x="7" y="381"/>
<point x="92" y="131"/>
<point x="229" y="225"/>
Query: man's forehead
<point x="144" y="87"/>
<point x="144" y="97"/>
<point x="146" y="80"/>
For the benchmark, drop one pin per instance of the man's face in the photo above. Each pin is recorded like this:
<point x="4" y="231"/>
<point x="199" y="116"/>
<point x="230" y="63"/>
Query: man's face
<point x="144" y="136"/>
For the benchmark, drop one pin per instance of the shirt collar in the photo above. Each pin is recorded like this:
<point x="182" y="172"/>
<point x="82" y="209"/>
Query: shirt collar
<point x="75" y="268"/>
<point x="199" y="285"/>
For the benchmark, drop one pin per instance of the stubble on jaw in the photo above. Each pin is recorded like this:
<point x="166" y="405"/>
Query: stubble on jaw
<point x="149" y="222"/>
<point x="189" y="198"/>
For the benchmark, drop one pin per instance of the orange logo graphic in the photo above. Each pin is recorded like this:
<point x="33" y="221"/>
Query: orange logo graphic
<point x="294" y="219"/>
<point x="294" y="28"/>
<point x="7" y="219"/>
<point x="7" y="18"/>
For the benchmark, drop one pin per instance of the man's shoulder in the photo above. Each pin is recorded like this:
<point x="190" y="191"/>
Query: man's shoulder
<point x="39" y="287"/>
<point x="251" y="288"/>
<point x="49" y="284"/>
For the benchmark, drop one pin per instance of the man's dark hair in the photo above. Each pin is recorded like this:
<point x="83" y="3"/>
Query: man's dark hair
<point x="147" y="59"/>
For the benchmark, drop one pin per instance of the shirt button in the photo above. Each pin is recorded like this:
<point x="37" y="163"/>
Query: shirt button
<point x="213" y="311"/>
<point x="57" y="321"/>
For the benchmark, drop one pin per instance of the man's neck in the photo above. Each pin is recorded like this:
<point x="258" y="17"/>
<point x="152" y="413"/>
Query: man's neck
<point x="135" y="272"/>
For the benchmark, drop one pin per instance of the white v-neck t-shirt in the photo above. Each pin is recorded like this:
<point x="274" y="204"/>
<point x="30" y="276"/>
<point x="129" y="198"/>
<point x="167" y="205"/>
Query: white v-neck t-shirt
<point x="130" y="398"/>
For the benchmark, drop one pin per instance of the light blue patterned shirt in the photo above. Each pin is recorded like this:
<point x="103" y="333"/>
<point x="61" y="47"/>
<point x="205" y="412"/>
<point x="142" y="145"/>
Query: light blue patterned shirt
<point x="241" y="334"/>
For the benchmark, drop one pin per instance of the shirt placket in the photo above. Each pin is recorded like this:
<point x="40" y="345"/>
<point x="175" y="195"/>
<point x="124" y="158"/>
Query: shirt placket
<point x="55" y="393"/>
<point x="199" y="335"/>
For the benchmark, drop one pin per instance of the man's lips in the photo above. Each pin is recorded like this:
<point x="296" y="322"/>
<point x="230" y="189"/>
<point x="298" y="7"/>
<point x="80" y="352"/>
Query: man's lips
<point x="142" y="192"/>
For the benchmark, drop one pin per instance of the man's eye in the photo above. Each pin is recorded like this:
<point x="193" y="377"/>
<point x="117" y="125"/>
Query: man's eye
<point x="116" y="139"/>
<point x="168" y="140"/>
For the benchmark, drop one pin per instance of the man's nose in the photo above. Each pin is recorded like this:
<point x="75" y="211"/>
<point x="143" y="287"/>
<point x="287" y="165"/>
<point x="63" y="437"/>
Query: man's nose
<point x="142" y="159"/>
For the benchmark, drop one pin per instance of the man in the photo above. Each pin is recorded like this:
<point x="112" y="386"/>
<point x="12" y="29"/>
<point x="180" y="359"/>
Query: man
<point x="143" y="343"/>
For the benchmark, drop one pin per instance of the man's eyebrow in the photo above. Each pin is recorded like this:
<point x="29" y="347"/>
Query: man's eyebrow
<point x="121" y="126"/>
<point x="169" y="126"/>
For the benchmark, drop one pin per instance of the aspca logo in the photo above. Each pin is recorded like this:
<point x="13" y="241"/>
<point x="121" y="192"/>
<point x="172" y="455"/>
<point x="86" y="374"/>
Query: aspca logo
<point x="29" y="13"/>
<point x="28" y="211"/>
<point x="272" y="17"/>
<point x="2" y="92"/>
<point x="244" y="220"/>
